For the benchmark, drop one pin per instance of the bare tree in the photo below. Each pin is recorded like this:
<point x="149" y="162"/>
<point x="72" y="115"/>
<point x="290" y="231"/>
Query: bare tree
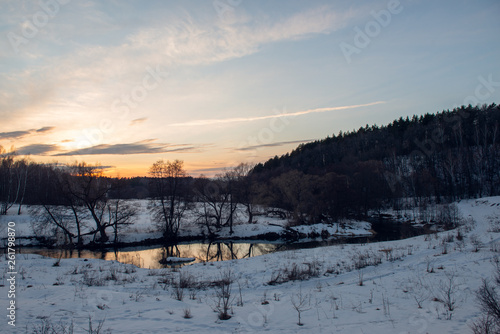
<point x="120" y="213"/>
<point x="23" y="168"/>
<point x="59" y="207"/>
<point x="88" y="186"/>
<point x="229" y="182"/>
<point x="448" y="292"/>
<point x="418" y="288"/>
<point x="292" y="191"/>
<point x="485" y="325"/>
<point x="245" y="189"/>
<point x="489" y="301"/>
<point x="53" y="220"/>
<point x="217" y="206"/>
<point x="300" y="303"/>
<point x="169" y="195"/>
<point x="7" y="183"/>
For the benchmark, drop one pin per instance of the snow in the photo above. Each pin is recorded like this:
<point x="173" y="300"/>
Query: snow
<point x="136" y="300"/>
<point x="352" y="228"/>
<point x="173" y="259"/>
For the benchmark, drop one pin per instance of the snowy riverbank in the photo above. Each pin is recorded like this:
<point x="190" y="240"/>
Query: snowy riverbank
<point x="133" y="300"/>
<point x="144" y="230"/>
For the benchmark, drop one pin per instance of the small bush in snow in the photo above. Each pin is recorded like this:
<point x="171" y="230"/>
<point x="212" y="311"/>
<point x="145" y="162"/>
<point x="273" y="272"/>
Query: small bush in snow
<point x="90" y="278"/>
<point x="295" y="272"/>
<point x="47" y="327"/>
<point x="476" y="243"/>
<point x="494" y="226"/>
<point x="187" y="313"/>
<point x="448" y="293"/>
<point x="223" y="298"/>
<point x="367" y="258"/>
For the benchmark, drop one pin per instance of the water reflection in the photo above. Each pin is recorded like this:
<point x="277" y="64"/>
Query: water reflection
<point x="153" y="257"/>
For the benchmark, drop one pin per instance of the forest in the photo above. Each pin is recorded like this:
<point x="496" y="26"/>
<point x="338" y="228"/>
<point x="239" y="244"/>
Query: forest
<point x="415" y="162"/>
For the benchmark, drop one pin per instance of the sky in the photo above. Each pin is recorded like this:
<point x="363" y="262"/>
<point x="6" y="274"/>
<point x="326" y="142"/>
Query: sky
<point x="216" y="83"/>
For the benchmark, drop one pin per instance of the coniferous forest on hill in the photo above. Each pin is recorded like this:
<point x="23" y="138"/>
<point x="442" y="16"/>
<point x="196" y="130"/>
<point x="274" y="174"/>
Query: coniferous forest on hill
<point x="411" y="162"/>
<point x="438" y="158"/>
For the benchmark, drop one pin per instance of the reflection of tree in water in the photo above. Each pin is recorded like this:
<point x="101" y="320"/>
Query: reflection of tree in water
<point x="223" y="251"/>
<point x="214" y="252"/>
<point x="167" y="251"/>
<point x="70" y="253"/>
<point x="261" y="249"/>
<point x="134" y="258"/>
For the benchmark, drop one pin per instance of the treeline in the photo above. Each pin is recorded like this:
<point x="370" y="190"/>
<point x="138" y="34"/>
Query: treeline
<point x="77" y="204"/>
<point x="72" y="201"/>
<point x="436" y="158"/>
<point x="26" y="182"/>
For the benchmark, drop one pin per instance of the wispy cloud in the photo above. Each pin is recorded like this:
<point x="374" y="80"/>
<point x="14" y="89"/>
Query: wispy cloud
<point x="276" y="144"/>
<point x="142" y="147"/>
<point x="13" y="134"/>
<point x="70" y="79"/>
<point x="37" y="149"/>
<point x="46" y="129"/>
<point x="209" y="170"/>
<point x="185" y="41"/>
<point x="138" y="120"/>
<point x="24" y="133"/>
<point x="204" y="122"/>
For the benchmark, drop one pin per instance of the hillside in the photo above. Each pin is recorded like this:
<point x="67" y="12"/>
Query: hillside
<point x="460" y="128"/>
<point x="440" y="157"/>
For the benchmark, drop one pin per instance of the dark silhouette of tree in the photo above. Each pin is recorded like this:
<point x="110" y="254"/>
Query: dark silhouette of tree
<point x="170" y="195"/>
<point x="87" y="185"/>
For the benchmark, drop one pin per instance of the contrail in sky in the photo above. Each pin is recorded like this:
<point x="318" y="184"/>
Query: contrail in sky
<point x="202" y="122"/>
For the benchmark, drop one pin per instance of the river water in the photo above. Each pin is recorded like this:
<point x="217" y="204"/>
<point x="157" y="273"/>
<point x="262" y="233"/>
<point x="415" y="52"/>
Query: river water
<point x="153" y="257"/>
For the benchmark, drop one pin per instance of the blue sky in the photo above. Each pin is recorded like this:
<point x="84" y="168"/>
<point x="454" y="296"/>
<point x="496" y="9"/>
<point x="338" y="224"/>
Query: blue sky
<point x="219" y="82"/>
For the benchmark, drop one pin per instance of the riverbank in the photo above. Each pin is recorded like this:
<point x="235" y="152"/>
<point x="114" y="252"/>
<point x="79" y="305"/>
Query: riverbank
<point x="144" y="231"/>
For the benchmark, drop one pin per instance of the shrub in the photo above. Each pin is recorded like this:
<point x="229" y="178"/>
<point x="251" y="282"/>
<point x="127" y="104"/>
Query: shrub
<point x="295" y="273"/>
<point x="223" y="299"/>
<point x="187" y="313"/>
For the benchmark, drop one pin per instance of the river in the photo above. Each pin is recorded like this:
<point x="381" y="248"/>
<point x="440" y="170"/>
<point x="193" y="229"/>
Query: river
<point x="154" y="257"/>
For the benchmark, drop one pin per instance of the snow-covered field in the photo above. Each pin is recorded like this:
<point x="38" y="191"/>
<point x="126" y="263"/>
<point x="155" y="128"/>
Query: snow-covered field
<point x="134" y="300"/>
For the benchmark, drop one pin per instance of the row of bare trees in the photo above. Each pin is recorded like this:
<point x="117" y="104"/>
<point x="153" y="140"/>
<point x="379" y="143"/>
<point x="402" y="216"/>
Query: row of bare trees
<point x="77" y="202"/>
<point x="13" y="180"/>
<point x="214" y="200"/>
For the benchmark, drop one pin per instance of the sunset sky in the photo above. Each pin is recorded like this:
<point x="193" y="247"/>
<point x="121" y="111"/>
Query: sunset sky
<point x="216" y="83"/>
